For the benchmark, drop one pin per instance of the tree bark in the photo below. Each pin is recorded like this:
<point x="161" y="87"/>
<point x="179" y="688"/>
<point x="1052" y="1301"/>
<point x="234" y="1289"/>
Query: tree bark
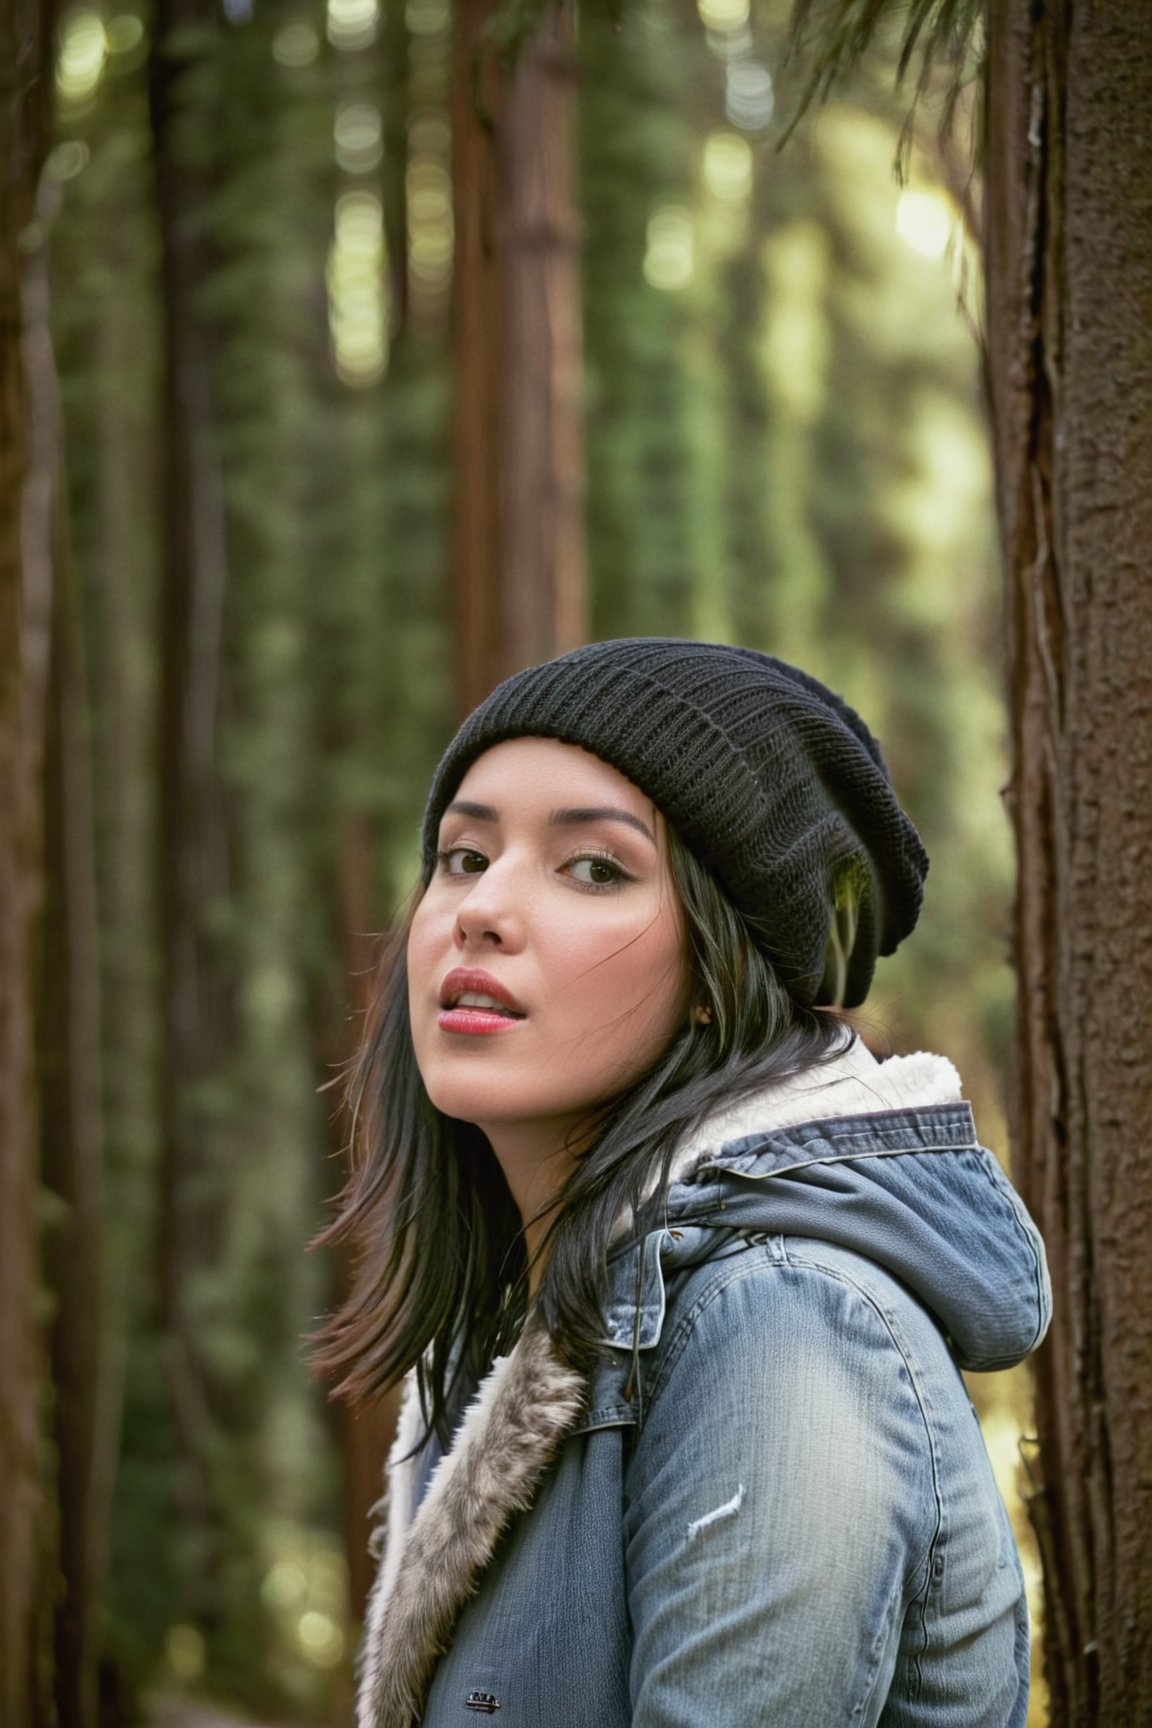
<point x="26" y="1506"/>
<point x="543" y="610"/>
<point x="518" y="529"/>
<point x="1069" y="265"/>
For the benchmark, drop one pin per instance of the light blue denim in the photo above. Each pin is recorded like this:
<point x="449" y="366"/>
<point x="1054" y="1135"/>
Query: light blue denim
<point x="789" y="1518"/>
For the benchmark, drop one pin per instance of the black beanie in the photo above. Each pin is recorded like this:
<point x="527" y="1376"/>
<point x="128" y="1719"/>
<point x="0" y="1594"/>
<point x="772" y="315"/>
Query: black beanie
<point x="775" y="783"/>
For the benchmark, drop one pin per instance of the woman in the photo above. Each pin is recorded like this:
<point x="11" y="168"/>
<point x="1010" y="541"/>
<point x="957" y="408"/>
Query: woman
<point x="683" y="1273"/>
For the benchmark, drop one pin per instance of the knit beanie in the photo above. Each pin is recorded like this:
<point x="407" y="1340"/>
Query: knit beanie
<point x="774" y="782"/>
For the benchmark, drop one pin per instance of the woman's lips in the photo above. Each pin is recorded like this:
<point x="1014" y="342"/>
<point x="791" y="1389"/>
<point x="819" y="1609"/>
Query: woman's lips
<point x="475" y="1022"/>
<point x="476" y="1004"/>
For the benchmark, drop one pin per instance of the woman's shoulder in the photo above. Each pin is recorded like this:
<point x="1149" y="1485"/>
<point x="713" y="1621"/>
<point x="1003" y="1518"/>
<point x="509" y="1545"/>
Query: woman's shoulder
<point x="801" y="1374"/>
<point x="703" y="1316"/>
<point x="782" y="1300"/>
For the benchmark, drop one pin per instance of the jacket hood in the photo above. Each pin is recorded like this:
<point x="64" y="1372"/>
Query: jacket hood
<point x="878" y="1158"/>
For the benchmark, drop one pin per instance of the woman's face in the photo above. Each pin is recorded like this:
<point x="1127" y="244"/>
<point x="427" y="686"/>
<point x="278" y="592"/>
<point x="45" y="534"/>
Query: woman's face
<point x="545" y="968"/>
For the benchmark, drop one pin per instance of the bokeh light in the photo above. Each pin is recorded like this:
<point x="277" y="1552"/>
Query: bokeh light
<point x="724" y="15"/>
<point x="924" y="221"/>
<point x="428" y="194"/>
<point x="83" y="52"/>
<point x="295" y="45"/>
<point x="67" y="160"/>
<point x="358" y="136"/>
<point x="669" y="258"/>
<point x="727" y="166"/>
<point x="285" y="1585"/>
<point x="352" y="24"/>
<point x="321" y="1638"/>
<point x="357" y="311"/>
<point x="749" y="94"/>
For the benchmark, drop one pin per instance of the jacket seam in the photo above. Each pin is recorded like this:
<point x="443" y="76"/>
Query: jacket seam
<point x="736" y="1166"/>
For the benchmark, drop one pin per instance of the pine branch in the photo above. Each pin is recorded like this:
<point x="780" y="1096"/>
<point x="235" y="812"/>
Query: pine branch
<point x="833" y="35"/>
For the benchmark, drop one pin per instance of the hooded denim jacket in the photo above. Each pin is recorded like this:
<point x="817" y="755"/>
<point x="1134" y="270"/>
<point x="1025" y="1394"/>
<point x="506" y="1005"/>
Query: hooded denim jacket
<point x="771" y="1503"/>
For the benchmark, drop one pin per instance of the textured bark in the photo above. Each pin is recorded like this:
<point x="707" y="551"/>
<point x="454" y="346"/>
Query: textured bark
<point x="1069" y="259"/>
<point x="26" y="1525"/>
<point x="518" y="530"/>
<point x="542" y="479"/>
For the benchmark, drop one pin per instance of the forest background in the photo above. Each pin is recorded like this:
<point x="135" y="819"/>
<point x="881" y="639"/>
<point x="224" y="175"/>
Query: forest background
<point x="270" y="521"/>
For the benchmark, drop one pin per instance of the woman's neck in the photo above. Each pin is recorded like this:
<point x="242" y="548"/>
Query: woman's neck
<point x="535" y="1175"/>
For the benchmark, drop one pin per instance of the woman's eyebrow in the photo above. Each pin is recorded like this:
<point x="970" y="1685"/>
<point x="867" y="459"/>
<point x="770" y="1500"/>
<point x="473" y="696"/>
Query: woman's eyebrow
<point x="478" y="812"/>
<point x="567" y="818"/>
<point x="600" y="813"/>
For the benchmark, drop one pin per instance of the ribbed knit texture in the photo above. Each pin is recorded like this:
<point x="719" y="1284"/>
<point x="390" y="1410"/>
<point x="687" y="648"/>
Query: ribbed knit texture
<point x="774" y="782"/>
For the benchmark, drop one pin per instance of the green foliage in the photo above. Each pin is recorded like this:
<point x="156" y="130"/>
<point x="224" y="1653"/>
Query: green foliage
<point x="831" y="37"/>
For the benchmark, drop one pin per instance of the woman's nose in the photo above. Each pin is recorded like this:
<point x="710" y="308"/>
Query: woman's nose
<point x="492" y="911"/>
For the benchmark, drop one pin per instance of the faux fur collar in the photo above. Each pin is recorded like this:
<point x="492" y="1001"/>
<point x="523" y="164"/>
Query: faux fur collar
<point x="433" y="1561"/>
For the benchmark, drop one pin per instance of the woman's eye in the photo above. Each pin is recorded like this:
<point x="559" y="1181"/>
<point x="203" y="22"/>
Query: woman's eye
<point x="594" y="872"/>
<point x="461" y="861"/>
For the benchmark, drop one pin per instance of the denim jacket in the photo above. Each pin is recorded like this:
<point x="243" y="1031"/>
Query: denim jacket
<point x="771" y="1503"/>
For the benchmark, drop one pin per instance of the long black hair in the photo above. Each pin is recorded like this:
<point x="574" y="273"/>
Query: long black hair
<point x="440" y="1267"/>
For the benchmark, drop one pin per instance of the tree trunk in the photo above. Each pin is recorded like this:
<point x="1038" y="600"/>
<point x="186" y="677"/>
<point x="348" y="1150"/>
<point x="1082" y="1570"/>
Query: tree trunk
<point x="68" y="1067"/>
<point x="121" y="591"/>
<point x="192" y="856"/>
<point x="518" y="532"/>
<point x="25" y="1506"/>
<point x="1069" y="262"/>
<point x="543" y="610"/>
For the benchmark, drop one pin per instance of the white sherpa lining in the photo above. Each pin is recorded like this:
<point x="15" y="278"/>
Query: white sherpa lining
<point x="853" y="1083"/>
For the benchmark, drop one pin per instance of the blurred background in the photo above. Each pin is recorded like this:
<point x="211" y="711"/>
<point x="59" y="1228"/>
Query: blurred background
<point x="379" y="369"/>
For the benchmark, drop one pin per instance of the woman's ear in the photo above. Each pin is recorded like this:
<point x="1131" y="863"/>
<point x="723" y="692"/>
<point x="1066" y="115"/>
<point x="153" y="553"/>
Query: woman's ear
<point x="701" y="1015"/>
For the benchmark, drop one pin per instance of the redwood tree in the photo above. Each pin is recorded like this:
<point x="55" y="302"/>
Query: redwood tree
<point x="1068" y="180"/>
<point x="518" y="539"/>
<point x="25" y="59"/>
<point x="192" y="850"/>
<point x="52" y="1209"/>
<point x="67" y="1035"/>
